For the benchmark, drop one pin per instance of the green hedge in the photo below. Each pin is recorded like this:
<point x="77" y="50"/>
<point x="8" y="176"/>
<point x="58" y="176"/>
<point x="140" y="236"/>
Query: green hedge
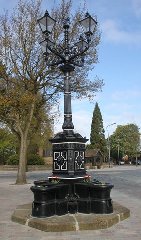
<point x="13" y="160"/>
<point x="32" y="159"/>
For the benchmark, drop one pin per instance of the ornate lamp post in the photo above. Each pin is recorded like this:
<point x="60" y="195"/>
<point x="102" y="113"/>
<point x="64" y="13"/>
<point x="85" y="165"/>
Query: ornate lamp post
<point x="69" y="188"/>
<point x="68" y="147"/>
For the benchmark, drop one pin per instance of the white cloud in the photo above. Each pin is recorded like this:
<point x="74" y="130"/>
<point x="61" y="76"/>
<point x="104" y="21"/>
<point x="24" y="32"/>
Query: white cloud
<point x="126" y="94"/>
<point x="113" y="33"/>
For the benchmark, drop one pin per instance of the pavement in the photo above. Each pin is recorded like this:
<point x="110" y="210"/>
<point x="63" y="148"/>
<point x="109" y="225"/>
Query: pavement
<point x="127" y="194"/>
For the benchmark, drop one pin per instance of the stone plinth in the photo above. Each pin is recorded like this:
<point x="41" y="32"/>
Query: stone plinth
<point x="70" y="222"/>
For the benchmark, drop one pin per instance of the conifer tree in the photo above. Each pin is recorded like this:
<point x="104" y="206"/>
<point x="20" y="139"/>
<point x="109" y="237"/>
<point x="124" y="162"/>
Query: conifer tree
<point x="97" y="137"/>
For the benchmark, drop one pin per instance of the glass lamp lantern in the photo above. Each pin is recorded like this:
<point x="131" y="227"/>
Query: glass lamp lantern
<point x="88" y="23"/>
<point x="46" y="23"/>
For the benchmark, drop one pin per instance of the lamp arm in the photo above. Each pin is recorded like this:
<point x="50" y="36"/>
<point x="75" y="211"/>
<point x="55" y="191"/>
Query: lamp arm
<point x="56" y="63"/>
<point x="78" y="54"/>
<point x="56" y="53"/>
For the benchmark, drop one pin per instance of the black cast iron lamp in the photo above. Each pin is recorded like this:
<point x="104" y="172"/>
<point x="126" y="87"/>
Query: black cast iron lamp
<point x="68" y="189"/>
<point x="68" y="147"/>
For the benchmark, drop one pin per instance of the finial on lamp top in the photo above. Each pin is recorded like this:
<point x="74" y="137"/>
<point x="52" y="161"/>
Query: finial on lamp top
<point x="87" y="14"/>
<point x="46" y="13"/>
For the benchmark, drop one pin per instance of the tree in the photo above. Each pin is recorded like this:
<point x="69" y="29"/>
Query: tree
<point x="26" y="80"/>
<point x="125" y="140"/>
<point x="97" y="137"/>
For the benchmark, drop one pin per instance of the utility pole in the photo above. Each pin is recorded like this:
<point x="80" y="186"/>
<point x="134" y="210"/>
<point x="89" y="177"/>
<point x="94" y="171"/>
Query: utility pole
<point x="109" y="147"/>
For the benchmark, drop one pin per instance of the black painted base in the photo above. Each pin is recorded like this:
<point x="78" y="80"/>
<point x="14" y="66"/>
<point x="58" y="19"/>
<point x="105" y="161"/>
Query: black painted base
<point x="70" y="195"/>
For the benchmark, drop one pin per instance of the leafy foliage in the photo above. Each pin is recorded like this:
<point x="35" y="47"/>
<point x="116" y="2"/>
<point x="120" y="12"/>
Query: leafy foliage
<point x="7" y="145"/>
<point x="13" y="160"/>
<point x="33" y="159"/>
<point x="42" y="128"/>
<point x="127" y="139"/>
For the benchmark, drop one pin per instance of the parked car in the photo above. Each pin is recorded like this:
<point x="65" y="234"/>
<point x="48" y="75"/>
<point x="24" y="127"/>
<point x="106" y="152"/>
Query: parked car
<point x="138" y="161"/>
<point x="121" y="162"/>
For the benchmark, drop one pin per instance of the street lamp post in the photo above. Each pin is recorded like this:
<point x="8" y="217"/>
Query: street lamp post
<point x="109" y="147"/>
<point x="68" y="147"/>
<point x="118" y="152"/>
<point x="69" y="189"/>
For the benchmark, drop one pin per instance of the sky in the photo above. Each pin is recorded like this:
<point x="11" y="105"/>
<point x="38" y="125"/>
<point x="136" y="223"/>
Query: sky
<point x="119" y="65"/>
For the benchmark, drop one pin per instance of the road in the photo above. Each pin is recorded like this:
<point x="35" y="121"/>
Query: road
<point x="126" y="191"/>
